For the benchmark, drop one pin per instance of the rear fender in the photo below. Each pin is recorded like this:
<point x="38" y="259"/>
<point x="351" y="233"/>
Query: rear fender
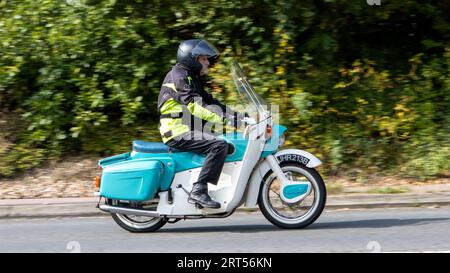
<point x="113" y="159"/>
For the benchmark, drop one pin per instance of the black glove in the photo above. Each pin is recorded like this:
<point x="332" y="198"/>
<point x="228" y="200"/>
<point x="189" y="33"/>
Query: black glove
<point x="241" y="116"/>
<point x="233" y="122"/>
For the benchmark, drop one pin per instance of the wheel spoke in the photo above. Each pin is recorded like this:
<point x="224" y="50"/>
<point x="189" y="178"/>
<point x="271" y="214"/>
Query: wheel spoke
<point x="277" y="193"/>
<point x="289" y="176"/>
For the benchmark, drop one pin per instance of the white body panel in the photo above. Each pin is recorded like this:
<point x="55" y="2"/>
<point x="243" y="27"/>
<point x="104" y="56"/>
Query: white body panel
<point x="230" y="189"/>
<point x="222" y="192"/>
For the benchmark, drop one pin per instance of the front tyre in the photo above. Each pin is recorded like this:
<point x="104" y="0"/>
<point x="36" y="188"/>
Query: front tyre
<point x="295" y="215"/>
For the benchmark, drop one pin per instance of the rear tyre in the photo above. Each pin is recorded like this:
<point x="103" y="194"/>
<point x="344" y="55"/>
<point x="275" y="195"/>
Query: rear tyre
<point x="133" y="223"/>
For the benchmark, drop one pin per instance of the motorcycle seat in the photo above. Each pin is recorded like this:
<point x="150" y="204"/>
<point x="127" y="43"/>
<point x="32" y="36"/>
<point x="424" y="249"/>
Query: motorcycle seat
<point x="152" y="147"/>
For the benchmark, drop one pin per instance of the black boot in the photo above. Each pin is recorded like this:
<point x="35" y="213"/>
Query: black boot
<point x="199" y="195"/>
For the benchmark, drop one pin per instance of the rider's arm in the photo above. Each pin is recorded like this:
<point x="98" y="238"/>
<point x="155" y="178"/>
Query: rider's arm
<point x="227" y="112"/>
<point x="196" y="105"/>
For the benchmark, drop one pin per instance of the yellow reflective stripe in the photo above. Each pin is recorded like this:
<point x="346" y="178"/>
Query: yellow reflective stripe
<point x="174" y="125"/>
<point x="171" y="85"/>
<point x="171" y="106"/>
<point x="203" y="113"/>
<point x="168" y="124"/>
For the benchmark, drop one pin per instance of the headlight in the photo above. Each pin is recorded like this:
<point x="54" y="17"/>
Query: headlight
<point x="282" y="140"/>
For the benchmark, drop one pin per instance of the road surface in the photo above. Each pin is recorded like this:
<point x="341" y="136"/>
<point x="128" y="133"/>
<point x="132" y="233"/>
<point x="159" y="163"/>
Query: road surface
<point x="371" y="230"/>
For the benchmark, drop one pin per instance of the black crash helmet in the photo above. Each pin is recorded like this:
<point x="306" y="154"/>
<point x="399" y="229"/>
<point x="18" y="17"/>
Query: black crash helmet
<point x="189" y="50"/>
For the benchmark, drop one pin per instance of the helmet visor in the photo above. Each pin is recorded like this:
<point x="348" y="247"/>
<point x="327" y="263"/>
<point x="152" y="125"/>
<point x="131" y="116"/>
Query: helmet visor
<point x="206" y="49"/>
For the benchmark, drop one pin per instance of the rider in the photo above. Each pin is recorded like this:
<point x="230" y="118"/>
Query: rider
<point x="183" y="103"/>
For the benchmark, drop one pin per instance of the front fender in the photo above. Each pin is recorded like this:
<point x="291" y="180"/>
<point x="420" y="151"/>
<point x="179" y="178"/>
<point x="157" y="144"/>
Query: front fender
<point x="260" y="170"/>
<point x="299" y="156"/>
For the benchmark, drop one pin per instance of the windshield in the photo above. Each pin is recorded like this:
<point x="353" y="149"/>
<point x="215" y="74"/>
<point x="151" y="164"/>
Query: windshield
<point x="254" y="104"/>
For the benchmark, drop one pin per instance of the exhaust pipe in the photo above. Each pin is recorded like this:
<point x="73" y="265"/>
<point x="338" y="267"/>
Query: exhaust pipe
<point x="122" y="210"/>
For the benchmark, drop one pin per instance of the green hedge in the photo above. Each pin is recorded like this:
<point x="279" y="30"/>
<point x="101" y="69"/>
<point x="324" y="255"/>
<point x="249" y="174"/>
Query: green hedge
<point x="367" y="88"/>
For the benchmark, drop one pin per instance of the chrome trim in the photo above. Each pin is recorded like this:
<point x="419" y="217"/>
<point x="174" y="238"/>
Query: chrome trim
<point x="137" y="212"/>
<point x="122" y="210"/>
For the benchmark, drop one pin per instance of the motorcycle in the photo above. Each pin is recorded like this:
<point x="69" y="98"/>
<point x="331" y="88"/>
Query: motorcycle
<point x="148" y="187"/>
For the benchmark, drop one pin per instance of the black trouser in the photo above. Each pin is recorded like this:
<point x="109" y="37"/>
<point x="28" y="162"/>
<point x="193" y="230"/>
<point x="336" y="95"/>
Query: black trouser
<point x="216" y="151"/>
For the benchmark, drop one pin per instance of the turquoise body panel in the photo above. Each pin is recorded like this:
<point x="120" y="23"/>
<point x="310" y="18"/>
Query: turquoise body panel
<point x="272" y="144"/>
<point x="293" y="191"/>
<point x="131" y="180"/>
<point x="187" y="160"/>
<point x="170" y="163"/>
<point x="113" y="159"/>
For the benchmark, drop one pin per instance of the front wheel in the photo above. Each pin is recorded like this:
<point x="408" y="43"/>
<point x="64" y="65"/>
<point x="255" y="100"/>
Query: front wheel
<point x="292" y="215"/>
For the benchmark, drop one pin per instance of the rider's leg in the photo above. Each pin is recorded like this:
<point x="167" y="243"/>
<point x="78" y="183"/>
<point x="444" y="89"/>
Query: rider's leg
<point x="216" y="151"/>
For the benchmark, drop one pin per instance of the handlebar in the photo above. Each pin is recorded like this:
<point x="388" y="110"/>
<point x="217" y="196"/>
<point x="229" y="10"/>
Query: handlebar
<point x="248" y="121"/>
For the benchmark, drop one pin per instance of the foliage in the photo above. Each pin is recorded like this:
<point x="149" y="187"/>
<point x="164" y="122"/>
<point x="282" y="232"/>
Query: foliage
<point x="367" y="88"/>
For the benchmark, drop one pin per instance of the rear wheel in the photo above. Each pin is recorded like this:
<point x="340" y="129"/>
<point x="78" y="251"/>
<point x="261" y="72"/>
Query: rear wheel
<point x="134" y="223"/>
<point x="292" y="215"/>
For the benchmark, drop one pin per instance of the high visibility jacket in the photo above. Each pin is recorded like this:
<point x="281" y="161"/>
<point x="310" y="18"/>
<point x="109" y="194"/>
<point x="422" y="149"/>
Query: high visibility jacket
<point x="182" y="102"/>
